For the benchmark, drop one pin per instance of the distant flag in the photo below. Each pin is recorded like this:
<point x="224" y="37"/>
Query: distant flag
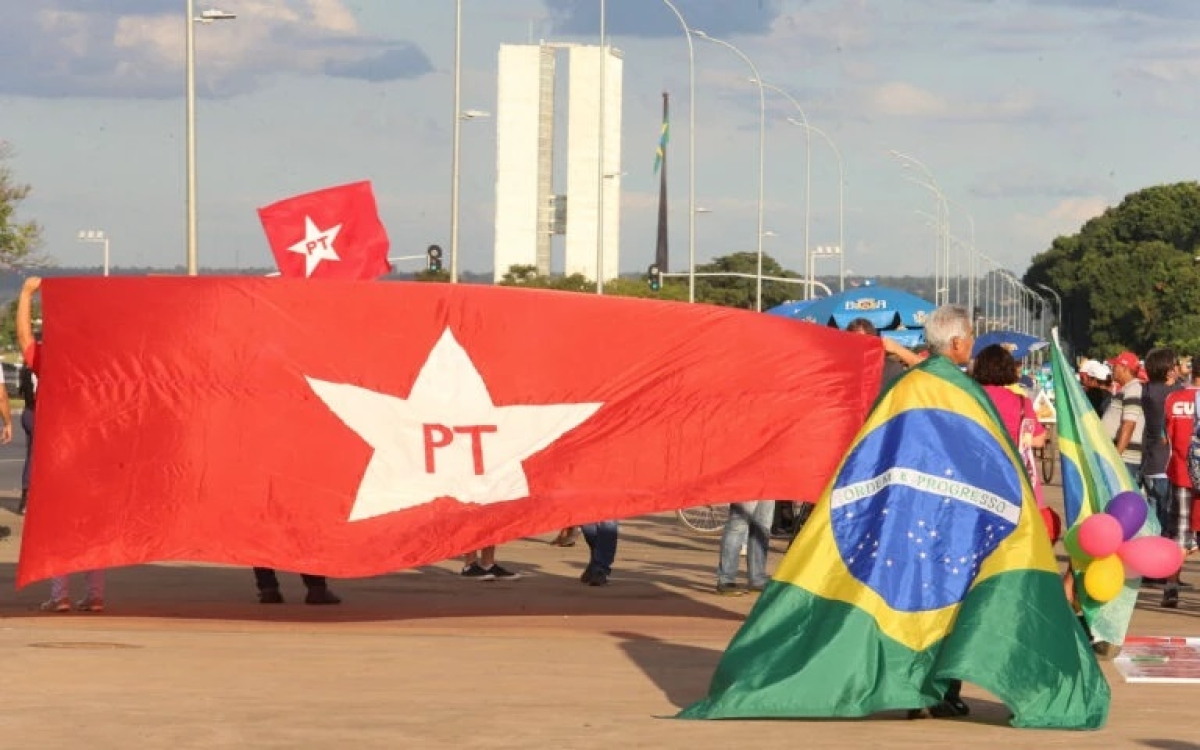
<point x="660" y="154"/>
<point x="925" y="560"/>
<point x="333" y="233"/>
<point x="662" y="255"/>
<point x="1092" y="473"/>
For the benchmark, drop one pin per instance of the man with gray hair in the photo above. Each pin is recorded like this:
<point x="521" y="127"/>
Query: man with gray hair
<point x="949" y="332"/>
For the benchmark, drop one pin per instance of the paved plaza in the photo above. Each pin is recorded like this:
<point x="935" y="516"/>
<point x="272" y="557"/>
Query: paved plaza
<point x="186" y="658"/>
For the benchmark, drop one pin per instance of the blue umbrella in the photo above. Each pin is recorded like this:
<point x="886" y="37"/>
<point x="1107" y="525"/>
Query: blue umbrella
<point x="1018" y="344"/>
<point x="792" y="309"/>
<point x="886" y="308"/>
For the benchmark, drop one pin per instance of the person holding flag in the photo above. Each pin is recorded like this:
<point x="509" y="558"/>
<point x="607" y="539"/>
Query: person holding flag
<point x="925" y="562"/>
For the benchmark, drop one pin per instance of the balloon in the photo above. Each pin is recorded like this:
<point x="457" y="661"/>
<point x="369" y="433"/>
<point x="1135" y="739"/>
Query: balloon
<point x="1104" y="578"/>
<point x="1053" y="524"/>
<point x="1151" y="556"/>
<point x="1100" y="535"/>
<point x="1129" y="508"/>
<point x="1071" y="542"/>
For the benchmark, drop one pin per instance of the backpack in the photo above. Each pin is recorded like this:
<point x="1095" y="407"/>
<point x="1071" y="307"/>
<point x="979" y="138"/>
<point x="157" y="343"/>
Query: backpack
<point x="1193" y="454"/>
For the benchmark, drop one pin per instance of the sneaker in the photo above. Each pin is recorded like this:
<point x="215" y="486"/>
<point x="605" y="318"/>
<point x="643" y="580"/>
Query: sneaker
<point x="599" y="578"/>
<point x="1106" y="650"/>
<point x="56" y="605"/>
<point x="1170" y="599"/>
<point x="477" y="572"/>
<point x="321" y="595"/>
<point x="586" y="575"/>
<point x="270" y="596"/>
<point x="949" y="708"/>
<point x="757" y="588"/>
<point x="497" y="573"/>
<point x="90" y="604"/>
<point x="729" y="589"/>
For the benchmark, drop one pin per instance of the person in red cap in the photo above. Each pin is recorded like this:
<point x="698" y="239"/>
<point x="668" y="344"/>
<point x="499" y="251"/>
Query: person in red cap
<point x="1124" y="420"/>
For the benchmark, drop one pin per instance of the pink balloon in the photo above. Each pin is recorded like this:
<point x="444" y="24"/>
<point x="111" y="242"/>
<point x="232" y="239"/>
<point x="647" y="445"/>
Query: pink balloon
<point x="1100" y="535"/>
<point x="1151" y="557"/>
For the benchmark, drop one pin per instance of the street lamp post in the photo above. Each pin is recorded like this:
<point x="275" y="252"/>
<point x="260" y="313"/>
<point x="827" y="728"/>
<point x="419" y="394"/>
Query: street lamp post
<point x="808" y="260"/>
<point x="96" y="235"/>
<point x="455" y="141"/>
<point x="687" y="33"/>
<point x="1058" y="319"/>
<point x="600" y="147"/>
<point x="841" y="182"/>
<point x="762" y="142"/>
<point x="943" y="246"/>
<point x="192" y="19"/>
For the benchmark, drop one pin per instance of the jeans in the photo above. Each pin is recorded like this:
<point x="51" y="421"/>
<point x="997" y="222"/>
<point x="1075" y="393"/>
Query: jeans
<point x="601" y="538"/>
<point x="1158" y="496"/>
<point x="1135" y="473"/>
<point x="60" y="586"/>
<point x="751" y="520"/>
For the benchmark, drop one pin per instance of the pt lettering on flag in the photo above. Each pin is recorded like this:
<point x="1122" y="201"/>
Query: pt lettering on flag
<point x="333" y="233"/>
<point x="278" y="422"/>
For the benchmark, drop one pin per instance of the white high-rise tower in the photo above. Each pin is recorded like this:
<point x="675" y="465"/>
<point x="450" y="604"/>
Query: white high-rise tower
<point x="529" y="212"/>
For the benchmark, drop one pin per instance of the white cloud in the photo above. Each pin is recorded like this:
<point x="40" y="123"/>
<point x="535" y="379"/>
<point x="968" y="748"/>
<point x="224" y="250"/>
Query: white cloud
<point x="66" y="48"/>
<point x="901" y="99"/>
<point x="1066" y="217"/>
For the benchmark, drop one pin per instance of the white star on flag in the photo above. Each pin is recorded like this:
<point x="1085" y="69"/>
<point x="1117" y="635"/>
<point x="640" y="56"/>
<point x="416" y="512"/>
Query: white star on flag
<point x="448" y="438"/>
<point x="316" y="246"/>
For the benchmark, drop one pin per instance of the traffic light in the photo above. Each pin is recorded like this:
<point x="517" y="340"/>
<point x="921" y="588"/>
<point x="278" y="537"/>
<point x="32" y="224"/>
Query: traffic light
<point x="434" y="253"/>
<point x="655" y="274"/>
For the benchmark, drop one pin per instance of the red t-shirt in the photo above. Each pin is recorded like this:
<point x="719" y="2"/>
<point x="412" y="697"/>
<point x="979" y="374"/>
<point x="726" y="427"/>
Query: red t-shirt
<point x="1180" y="418"/>
<point x="31" y="356"/>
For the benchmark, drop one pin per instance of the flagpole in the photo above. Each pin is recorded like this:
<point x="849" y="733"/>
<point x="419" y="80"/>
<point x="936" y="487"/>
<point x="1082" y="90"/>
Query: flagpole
<point x="687" y="34"/>
<point x="662" y="254"/>
<point x="762" y="140"/>
<point x="190" y="136"/>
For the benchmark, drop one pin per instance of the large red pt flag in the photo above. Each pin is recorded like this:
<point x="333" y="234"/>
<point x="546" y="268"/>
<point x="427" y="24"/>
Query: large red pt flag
<point x="353" y="428"/>
<point x="333" y="233"/>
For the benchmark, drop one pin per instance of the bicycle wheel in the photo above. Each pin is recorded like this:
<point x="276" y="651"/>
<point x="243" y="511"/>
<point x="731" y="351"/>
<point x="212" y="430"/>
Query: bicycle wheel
<point x="704" y="519"/>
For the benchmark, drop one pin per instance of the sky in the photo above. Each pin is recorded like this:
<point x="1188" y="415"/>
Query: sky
<point x="1031" y="117"/>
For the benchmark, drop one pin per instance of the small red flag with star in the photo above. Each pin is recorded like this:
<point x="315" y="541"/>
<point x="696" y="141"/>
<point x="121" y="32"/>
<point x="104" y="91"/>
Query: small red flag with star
<point x="333" y="233"/>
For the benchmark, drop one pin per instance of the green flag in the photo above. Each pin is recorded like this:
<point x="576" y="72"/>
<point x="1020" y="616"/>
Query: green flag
<point x="661" y="152"/>
<point x="1092" y="473"/>
<point x="925" y="560"/>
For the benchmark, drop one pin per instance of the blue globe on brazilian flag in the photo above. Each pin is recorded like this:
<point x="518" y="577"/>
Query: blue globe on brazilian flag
<point x="925" y="560"/>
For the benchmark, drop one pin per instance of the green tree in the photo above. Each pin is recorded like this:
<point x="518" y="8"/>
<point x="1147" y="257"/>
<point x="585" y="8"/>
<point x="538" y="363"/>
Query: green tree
<point x="19" y="240"/>
<point x="741" y="291"/>
<point x="1129" y="279"/>
<point x="625" y="286"/>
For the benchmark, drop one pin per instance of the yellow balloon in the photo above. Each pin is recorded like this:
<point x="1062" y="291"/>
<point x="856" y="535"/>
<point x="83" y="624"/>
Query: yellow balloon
<point x="1104" y="578"/>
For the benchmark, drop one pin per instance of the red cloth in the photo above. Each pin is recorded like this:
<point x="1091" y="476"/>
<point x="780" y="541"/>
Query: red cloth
<point x="337" y="428"/>
<point x="1178" y="409"/>
<point x="333" y="233"/>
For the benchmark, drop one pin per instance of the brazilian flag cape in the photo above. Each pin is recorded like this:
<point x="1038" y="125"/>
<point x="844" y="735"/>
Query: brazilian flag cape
<point x="925" y="560"/>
